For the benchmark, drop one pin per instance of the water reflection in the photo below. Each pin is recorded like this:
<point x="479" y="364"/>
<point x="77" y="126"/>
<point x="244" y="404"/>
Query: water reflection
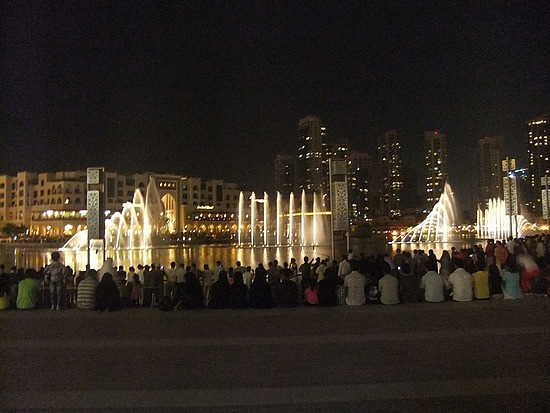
<point x="37" y="257"/>
<point x="200" y="254"/>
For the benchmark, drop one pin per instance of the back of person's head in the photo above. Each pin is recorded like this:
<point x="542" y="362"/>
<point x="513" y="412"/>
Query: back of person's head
<point x="459" y="262"/>
<point x="354" y="265"/>
<point x="511" y="265"/>
<point x="431" y="266"/>
<point x="91" y="273"/>
<point x="406" y="268"/>
<point x="494" y="271"/>
<point x="29" y="273"/>
<point x="55" y="256"/>
<point x="386" y="268"/>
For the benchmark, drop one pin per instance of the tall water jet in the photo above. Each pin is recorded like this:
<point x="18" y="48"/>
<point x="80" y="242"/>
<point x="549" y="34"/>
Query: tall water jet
<point x="266" y="217"/>
<point x="303" y="218"/>
<point x="279" y="218"/>
<point x="252" y="217"/>
<point x="240" y="219"/>
<point x="291" y="219"/>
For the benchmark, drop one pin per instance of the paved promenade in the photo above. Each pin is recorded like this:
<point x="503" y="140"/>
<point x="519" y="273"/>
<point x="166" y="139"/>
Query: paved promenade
<point x="452" y="357"/>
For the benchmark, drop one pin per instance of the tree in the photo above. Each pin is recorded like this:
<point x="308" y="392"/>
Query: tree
<point x="11" y="230"/>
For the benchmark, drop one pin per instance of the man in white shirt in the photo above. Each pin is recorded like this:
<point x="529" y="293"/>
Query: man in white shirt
<point x="433" y="284"/>
<point x="462" y="282"/>
<point x="320" y="271"/>
<point x="355" y="283"/>
<point x="344" y="268"/>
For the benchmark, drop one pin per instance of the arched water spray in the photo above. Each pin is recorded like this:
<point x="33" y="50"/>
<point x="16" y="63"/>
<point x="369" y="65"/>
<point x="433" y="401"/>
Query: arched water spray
<point x="438" y="224"/>
<point x="133" y="227"/>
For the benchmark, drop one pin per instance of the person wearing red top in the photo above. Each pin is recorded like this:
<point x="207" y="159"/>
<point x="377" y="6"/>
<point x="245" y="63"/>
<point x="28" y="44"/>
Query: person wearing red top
<point x="311" y="293"/>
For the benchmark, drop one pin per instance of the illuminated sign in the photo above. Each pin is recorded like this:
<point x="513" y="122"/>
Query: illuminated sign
<point x="205" y="207"/>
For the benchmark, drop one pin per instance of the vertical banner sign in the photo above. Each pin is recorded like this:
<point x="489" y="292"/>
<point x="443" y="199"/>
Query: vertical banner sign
<point x="339" y="195"/>
<point x="340" y="206"/>
<point x="544" y="196"/>
<point x="95" y="215"/>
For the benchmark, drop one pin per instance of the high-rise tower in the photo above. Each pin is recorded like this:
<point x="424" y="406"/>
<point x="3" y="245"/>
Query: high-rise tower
<point x="489" y="169"/>
<point x="389" y="151"/>
<point x="309" y="165"/>
<point x="284" y="174"/>
<point x="360" y="185"/>
<point x="437" y="174"/>
<point x="538" y="151"/>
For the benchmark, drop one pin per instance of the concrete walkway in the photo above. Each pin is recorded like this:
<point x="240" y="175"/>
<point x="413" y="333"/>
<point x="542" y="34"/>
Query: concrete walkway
<point x="479" y="356"/>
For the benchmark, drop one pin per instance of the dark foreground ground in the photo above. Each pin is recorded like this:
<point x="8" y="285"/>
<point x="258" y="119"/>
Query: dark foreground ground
<point x="451" y="357"/>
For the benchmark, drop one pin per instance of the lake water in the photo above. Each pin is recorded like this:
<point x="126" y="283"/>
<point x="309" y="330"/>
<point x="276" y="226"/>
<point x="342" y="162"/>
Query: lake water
<point x="37" y="256"/>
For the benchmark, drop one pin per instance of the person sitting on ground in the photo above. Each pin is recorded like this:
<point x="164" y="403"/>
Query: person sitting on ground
<point x="433" y="284"/>
<point x="409" y="288"/>
<point x="355" y="283"/>
<point x="388" y="287"/>
<point x="219" y="292"/>
<point x="461" y="281"/>
<point x="286" y="293"/>
<point x="107" y="295"/>
<point x="237" y="292"/>
<point x="86" y="293"/>
<point x="510" y="279"/>
<point x="28" y="290"/>
<point x="328" y="287"/>
<point x="260" y="293"/>
<point x="495" y="282"/>
<point x="481" y="283"/>
<point x="311" y="293"/>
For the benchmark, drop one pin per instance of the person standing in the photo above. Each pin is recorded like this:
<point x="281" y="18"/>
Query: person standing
<point x="54" y="275"/>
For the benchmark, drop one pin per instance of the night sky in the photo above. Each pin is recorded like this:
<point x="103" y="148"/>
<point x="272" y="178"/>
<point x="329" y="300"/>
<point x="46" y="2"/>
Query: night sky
<point x="216" y="88"/>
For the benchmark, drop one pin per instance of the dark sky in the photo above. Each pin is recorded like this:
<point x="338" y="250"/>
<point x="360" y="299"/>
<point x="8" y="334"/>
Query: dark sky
<point x="216" y="88"/>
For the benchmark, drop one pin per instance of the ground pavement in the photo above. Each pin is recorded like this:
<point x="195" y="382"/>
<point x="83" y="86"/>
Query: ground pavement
<point x="480" y="356"/>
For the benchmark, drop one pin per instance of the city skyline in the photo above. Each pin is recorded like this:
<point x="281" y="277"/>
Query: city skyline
<point x="217" y="89"/>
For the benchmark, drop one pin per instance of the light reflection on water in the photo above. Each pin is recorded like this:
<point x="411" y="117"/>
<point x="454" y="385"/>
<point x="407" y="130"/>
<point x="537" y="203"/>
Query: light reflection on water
<point x="36" y="257"/>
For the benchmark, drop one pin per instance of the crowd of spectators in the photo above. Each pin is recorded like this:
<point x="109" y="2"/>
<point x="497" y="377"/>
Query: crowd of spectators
<point x="505" y="269"/>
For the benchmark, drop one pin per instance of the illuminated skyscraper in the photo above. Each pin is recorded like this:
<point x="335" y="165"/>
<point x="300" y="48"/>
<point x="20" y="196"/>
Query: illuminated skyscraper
<point x="389" y="151"/>
<point x="489" y="169"/>
<point x="284" y="174"/>
<point x="359" y="183"/>
<point x="436" y="166"/>
<point x="538" y="151"/>
<point x="309" y="165"/>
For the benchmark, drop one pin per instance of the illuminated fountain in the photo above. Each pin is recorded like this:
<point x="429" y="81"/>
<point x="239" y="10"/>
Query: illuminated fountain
<point x="494" y="223"/>
<point x="131" y="229"/>
<point x="282" y="223"/>
<point x="438" y="225"/>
